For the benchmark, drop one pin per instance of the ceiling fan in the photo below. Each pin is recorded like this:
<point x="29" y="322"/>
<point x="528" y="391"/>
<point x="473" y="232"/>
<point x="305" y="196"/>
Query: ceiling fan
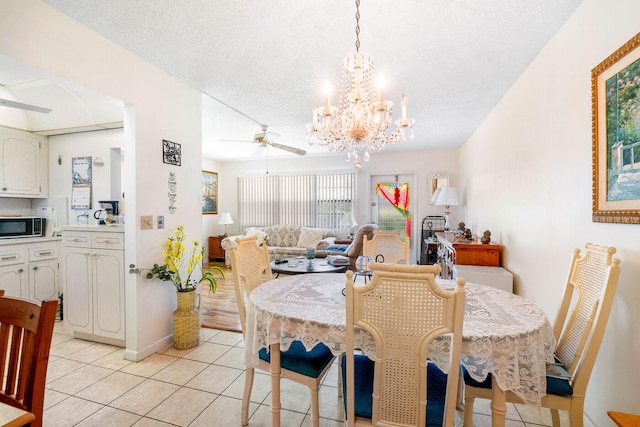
<point x="266" y="138"/>
<point x="21" y="106"/>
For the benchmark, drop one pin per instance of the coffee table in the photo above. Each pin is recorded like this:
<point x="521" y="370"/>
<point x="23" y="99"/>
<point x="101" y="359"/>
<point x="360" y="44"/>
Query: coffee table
<point x="304" y="266"/>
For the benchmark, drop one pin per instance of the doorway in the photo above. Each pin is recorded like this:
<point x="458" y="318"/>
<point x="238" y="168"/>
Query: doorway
<point x="385" y="214"/>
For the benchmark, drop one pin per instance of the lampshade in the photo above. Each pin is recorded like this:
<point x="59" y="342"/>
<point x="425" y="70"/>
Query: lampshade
<point x="435" y="195"/>
<point x="447" y="197"/>
<point x="225" y="218"/>
<point x="348" y="220"/>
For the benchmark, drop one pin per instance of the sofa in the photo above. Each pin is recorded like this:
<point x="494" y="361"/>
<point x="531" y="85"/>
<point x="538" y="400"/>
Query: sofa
<point x="287" y="241"/>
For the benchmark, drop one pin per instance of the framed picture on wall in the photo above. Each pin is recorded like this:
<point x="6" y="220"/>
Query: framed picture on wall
<point x="171" y="153"/>
<point x="209" y="192"/>
<point x="615" y="89"/>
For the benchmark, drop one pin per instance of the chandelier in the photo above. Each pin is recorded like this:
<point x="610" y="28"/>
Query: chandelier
<point x="359" y="124"/>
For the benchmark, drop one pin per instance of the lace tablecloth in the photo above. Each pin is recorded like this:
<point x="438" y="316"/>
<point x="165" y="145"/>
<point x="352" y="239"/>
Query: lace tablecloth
<point x="503" y="334"/>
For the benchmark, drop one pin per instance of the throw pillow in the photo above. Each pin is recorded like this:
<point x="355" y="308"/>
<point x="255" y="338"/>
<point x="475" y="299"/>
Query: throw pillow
<point x="310" y="237"/>
<point x="261" y="235"/>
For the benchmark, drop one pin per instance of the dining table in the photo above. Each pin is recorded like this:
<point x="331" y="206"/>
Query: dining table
<point x="504" y="335"/>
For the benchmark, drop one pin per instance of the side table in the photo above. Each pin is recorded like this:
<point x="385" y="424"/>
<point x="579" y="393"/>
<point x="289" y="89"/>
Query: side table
<point x="215" y="248"/>
<point x="624" y="420"/>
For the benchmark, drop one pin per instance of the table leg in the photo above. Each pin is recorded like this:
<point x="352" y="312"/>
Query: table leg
<point x="498" y="404"/>
<point x="274" y="366"/>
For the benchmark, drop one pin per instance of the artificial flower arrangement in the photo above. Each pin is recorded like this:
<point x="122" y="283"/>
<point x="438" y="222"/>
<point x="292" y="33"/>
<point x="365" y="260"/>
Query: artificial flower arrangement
<point x="171" y="270"/>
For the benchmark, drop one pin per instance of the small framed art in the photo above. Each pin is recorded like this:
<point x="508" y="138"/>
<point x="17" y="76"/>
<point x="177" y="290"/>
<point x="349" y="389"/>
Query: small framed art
<point x="171" y="153"/>
<point x="209" y="192"/>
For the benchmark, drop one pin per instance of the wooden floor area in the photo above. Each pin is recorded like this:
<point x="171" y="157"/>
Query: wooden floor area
<point x="220" y="310"/>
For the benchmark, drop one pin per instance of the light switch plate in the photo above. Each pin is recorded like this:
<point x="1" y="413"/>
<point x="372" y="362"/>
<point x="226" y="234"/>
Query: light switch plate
<point x="160" y="222"/>
<point x="146" y="222"/>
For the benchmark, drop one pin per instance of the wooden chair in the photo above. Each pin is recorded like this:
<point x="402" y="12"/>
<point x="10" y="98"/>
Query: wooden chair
<point x="387" y="244"/>
<point x="26" y="330"/>
<point x="250" y="265"/>
<point x="592" y="280"/>
<point x="404" y="310"/>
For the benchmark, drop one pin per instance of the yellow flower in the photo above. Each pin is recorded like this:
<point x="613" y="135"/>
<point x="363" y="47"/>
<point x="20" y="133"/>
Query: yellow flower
<point x="173" y="266"/>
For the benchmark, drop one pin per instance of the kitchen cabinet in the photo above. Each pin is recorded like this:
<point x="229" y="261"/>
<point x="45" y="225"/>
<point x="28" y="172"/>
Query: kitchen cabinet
<point x="13" y="276"/>
<point x="93" y="283"/>
<point x="30" y="269"/>
<point x="24" y="168"/>
<point x="43" y="271"/>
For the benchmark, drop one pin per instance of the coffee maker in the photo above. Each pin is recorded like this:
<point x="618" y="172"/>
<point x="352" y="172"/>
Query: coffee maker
<point x="107" y="213"/>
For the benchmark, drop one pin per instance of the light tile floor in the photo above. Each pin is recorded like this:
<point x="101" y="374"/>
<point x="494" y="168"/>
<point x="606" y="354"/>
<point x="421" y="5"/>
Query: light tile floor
<point x="90" y="384"/>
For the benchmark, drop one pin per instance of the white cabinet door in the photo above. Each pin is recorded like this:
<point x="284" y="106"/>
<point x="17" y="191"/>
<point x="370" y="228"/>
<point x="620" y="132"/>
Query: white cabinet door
<point x="77" y="293"/>
<point x="13" y="279"/>
<point x="108" y="293"/>
<point x="23" y="166"/>
<point x="43" y="280"/>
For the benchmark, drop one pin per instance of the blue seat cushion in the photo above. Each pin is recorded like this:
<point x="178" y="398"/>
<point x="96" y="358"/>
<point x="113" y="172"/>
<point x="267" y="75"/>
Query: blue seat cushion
<point x="364" y="367"/>
<point x="298" y="359"/>
<point x="556" y="386"/>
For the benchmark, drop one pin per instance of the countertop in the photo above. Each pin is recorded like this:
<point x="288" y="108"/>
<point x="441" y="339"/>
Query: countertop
<point x="94" y="227"/>
<point x="23" y="240"/>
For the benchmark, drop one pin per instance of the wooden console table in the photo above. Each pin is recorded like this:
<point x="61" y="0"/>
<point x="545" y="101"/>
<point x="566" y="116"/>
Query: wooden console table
<point x="452" y="251"/>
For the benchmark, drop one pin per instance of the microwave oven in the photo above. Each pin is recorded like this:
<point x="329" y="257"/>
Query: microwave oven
<point x="21" y="226"/>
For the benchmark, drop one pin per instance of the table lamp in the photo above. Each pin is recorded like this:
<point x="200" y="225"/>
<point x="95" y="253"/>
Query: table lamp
<point x="447" y="197"/>
<point x="225" y="219"/>
<point x="348" y="220"/>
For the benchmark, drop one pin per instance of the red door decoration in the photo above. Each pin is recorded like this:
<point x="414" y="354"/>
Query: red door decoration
<point x="398" y="196"/>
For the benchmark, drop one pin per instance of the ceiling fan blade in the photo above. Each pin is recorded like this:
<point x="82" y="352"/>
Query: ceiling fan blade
<point x="293" y="150"/>
<point x="21" y="106"/>
<point x="260" y="151"/>
<point x="236" y="140"/>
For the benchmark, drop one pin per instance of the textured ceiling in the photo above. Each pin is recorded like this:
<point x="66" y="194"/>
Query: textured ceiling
<point x="269" y="59"/>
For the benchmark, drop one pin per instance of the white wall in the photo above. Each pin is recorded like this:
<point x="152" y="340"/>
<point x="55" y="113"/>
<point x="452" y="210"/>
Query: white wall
<point x="420" y="163"/>
<point x="526" y="176"/>
<point x="95" y="144"/>
<point x="156" y="107"/>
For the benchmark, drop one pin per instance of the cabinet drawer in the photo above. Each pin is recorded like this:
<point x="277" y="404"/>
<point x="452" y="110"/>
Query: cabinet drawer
<point x="77" y="239"/>
<point x="108" y="241"/>
<point x="43" y="252"/>
<point x="12" y="256"/>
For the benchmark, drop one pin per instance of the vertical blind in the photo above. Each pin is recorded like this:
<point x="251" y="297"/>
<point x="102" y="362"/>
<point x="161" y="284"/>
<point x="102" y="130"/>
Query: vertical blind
<point x="319" y="200"/>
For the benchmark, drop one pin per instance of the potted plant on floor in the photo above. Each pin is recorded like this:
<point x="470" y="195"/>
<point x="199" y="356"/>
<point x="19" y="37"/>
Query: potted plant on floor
<point x="186" y="319"/>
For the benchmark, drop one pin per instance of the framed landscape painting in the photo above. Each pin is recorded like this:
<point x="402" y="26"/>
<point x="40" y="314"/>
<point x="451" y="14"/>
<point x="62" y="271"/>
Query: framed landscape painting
<point x="615" y="89"/>
<point x="209" y="192"/>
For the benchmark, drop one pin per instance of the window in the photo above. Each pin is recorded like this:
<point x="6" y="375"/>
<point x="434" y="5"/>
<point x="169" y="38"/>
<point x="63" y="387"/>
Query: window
<point x="318" y="200"/>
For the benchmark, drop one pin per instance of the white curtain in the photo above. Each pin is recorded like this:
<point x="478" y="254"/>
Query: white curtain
<point x="318" y="200"/>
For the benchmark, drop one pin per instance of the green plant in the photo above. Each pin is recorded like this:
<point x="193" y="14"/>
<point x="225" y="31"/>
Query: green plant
<point x="172" y="269"/>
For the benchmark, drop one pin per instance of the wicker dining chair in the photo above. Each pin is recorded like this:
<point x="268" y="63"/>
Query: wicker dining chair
<point x="404" y="310"/>
<point x="387" y="244"/>
<point x="592" y="280"/>
<point x="250" y="268"/>
<point x="26" y="330"/>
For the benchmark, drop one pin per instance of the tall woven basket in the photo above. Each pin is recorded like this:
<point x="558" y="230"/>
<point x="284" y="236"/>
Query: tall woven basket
<point x="186" y="325"/>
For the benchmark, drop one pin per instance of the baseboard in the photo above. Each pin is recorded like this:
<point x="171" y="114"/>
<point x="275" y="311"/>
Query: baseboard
<point x="138" y="355"/>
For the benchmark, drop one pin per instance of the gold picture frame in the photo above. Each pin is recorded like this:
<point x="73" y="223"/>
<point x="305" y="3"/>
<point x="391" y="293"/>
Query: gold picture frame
<point x="209" y="192"/>
<point x="615" y="104"/>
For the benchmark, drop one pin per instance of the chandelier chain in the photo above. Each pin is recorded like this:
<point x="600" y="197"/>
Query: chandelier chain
<point x="357" y="25"/>
<point x="362" y="117"/>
